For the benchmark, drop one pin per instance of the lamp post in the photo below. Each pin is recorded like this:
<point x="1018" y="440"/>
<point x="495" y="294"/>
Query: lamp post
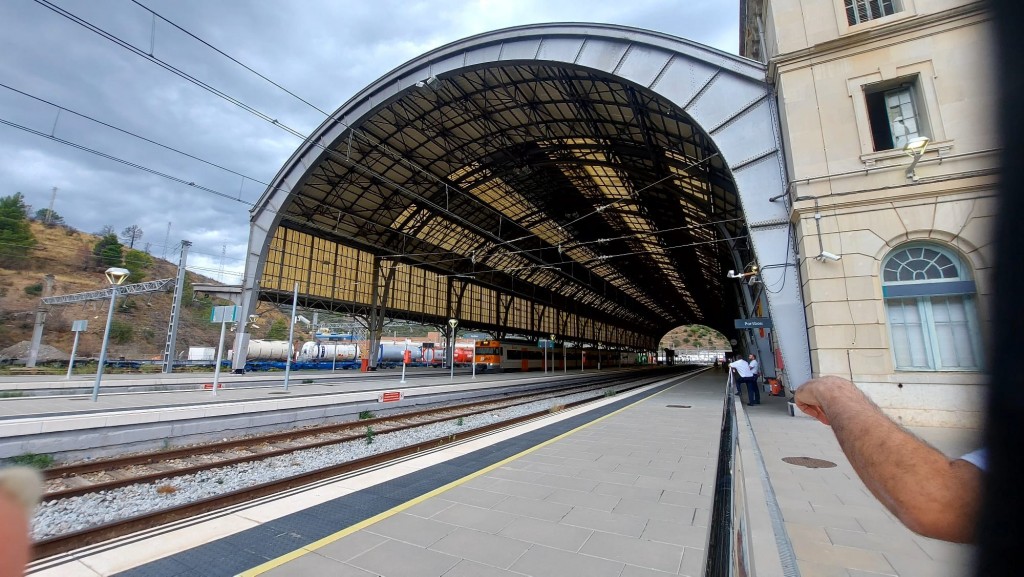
<point x="451" y="347"/>
<point x="115" y="276"/>
<point x="551" y="345"/>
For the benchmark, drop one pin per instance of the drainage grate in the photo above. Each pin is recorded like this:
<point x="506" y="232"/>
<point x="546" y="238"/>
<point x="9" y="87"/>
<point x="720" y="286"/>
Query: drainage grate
<point x="678" y="406"/>
<point x="809" y="462"/>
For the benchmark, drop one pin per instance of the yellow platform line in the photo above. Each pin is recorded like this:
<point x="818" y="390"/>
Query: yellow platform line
<point x="274" y="563"/>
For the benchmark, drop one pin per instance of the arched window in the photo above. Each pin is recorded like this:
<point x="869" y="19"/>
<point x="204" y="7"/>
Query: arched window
<point x="929" y="301"/>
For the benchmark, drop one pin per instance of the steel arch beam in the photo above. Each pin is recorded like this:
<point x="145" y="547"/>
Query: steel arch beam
<point x="725" y="95"/>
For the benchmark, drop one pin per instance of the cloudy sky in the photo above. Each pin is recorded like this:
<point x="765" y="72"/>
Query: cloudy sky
<point x="323" y="51"/>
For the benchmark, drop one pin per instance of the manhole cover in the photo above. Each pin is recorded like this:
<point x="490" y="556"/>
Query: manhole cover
<point x="678" y="406"/>
<point x="809" y="462"/>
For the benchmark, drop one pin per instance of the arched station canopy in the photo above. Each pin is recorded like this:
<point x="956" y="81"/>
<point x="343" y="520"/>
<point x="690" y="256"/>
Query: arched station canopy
<point x="591" y="181"/>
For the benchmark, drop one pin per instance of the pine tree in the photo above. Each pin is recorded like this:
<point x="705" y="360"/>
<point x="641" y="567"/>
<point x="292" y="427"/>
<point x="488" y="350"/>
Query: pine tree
<point x="16" y="238"/>
<point x="138" y="263"/>
<point x="108" y="250"/>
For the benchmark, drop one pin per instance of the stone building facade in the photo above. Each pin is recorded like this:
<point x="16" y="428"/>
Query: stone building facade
<point x="895" y="259"/>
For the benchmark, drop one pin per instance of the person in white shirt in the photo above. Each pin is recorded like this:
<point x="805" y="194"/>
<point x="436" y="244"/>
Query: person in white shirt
<point x="756" y="370"/>
<point x="744" y="375"/>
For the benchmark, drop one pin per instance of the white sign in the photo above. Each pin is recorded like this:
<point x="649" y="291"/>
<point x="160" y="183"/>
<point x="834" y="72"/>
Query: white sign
<point x="79" y="326"/>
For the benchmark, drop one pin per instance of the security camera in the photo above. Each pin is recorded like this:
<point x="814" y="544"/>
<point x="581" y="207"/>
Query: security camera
<point x="828" y="256"/>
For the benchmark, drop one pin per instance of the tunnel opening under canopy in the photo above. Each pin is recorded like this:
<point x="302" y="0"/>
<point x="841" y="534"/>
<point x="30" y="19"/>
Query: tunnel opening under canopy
<point x="591" y="182"/>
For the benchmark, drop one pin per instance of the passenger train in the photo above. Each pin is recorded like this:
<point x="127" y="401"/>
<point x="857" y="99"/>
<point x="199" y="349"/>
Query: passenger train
<point x="496" y="356"/>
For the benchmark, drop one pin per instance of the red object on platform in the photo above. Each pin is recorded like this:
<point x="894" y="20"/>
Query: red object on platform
<point x="391" y="397"/>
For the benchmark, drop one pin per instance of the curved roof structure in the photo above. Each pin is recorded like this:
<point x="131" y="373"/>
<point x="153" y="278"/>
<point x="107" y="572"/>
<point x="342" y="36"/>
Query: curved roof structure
<point x="592" y="171"/>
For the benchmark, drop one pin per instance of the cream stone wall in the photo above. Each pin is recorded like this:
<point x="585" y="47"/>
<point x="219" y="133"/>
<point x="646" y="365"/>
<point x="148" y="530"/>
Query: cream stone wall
<point x="865" y="203"/>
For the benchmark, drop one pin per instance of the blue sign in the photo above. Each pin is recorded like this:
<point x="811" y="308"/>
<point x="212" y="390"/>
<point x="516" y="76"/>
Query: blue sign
<point x="755" y="323"/>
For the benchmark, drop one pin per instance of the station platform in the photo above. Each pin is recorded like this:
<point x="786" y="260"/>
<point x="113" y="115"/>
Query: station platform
<point x="71" y="424"/>
<point x="621" y="489"/>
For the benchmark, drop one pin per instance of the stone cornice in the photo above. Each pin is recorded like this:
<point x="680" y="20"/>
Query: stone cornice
<point x="982" y="181"/>
<point x="917" y="24"/>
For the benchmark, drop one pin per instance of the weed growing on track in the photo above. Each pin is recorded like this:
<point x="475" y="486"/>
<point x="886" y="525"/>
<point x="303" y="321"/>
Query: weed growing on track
<point x="369" y="435"/>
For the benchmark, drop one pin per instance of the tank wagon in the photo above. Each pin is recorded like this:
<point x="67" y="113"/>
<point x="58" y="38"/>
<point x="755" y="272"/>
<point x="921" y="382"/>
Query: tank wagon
<point x="314" y="351"/>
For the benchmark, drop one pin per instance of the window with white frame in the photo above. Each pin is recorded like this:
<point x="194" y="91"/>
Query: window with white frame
<point x="895" y="113"/>
<point x="860" y="11"/>
<point x="929" y="302"/>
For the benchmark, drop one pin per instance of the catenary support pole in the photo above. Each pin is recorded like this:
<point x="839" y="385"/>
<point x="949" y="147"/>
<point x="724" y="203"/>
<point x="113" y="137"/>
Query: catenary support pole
<point x="291" y="337"/>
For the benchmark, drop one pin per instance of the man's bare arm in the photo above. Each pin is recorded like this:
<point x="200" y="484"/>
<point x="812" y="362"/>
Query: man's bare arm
<point x="931" y="494"/>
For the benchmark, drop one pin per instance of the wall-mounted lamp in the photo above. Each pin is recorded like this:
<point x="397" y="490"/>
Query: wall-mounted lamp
<point x="915" y="148"/>
<point x="750" y="276"/>
<point x="432" y="83"/>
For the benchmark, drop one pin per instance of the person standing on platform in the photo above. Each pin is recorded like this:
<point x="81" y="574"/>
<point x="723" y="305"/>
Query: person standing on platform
<point x="755" y="368"/>
<point x="743" y="375"/>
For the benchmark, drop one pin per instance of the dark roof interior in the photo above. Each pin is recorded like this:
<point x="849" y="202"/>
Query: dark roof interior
<point x="574" y="188"/>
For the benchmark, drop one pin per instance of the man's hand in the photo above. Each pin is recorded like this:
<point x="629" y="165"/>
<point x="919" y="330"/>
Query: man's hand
<point x="813" y="397"/>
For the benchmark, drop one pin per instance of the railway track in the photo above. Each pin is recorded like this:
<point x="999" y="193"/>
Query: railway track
<point x="101" y="477"/>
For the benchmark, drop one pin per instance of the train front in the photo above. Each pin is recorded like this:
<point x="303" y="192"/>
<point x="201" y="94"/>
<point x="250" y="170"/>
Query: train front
<point x="488" y="357"/>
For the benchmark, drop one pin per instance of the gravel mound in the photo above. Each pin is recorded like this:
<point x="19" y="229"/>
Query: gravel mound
<point x="19" y="352"/>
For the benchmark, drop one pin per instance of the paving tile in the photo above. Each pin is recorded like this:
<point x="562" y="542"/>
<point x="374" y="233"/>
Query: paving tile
<point x="581" y="499"/>
<point x="811" y="569"/>
<point x="677" y="485"/>
<point x="471" y="496"/>
<point x="807" y="533"/>
<point x="686" y="499"/>
<point x="551" y="469"/>
<point x="520" y="489"/>
<point x="542" y="561"/>
<point x="676" y="533"/>
<point x="607" y="522"/>
<point x="944" y="550"/>
<point x="429" y="508"/>
<point x="816" y="519"/>
<point x="510" y="474"/>
<point x="644" y="471"/>
<point x="915" y="566"/>
<point x="859" y="573"/>
<point x="351" y="545"/>
<point x="485" y="548"/>
<point x="396" y="559"/>
<point x="473" y="569"/>
<point x="660" y="511"/>
<point x="562" y="482"/>
<point x="411" y="529"/>
<point x="557" y="535"/>
<point x="701" y="517"/>
<point x="647" y="554"/>
<point x="837" y="556"/>
<point x="693" y="562"/>
<point x="313" y="564"/>
<point x="474" y="518"/>
<point x="545" y="510"/>
<point x="608" y="476"/>
<point x="904" y="545"/>
<point x="628" y="492"/>
<point x="634" y="571"/>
